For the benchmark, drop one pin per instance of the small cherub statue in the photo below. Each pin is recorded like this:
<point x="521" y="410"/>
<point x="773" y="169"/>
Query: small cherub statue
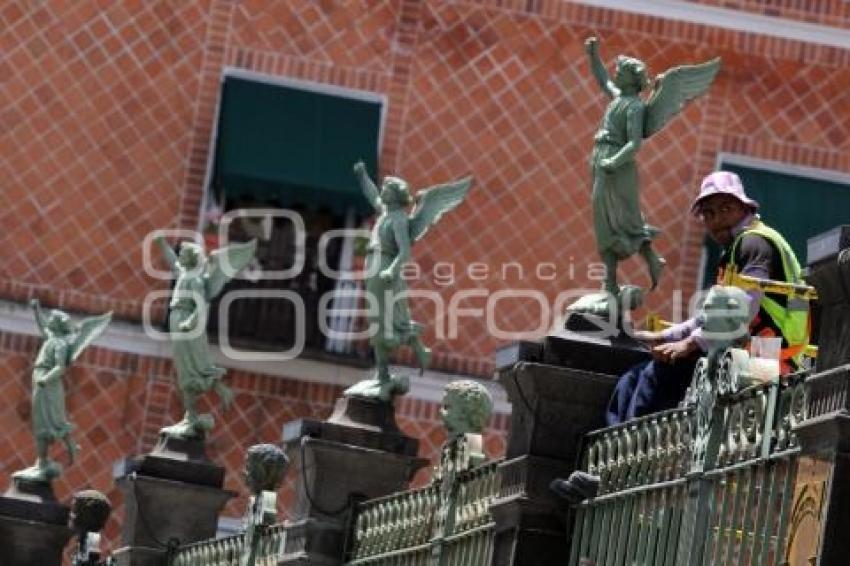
<point x="199" y="280"/>
<point x="389" y="248"/>
<point x="467" y="406"/>
<point x="63" y="343"/>
<point x="621" y="230"/>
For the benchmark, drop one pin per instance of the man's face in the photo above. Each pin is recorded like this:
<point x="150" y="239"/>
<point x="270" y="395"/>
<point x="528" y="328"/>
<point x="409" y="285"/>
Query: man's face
<point x="721" y="213"/>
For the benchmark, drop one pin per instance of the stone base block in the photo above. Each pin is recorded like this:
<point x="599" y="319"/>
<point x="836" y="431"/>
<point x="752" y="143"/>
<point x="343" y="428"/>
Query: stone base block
<point x="162" y="512"/>
<point x="357" y="454"/>
<point x="308" y="541"/>
<point x="529" y="534"/>
<point x="553" y="408"/>
<point x="32" y="532"/>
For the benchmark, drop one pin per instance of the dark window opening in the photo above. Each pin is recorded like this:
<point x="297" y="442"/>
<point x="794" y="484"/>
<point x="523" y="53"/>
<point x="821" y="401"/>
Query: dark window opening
<point x="287" y="148"/>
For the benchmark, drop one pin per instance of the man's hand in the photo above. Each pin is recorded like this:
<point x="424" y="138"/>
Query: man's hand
<point x="650" y="338"/>
<point x="359" y="168"/>
<point x="672" y="351"/>
<point x="591" y="45"/>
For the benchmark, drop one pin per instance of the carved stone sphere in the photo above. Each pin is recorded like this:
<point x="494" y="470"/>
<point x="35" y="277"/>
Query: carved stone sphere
<point x="265" y="467"/>
<point x="90" y="510"/>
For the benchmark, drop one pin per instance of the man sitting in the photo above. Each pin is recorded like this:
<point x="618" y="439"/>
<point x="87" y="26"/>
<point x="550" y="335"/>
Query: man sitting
<point x="750" y="248"/>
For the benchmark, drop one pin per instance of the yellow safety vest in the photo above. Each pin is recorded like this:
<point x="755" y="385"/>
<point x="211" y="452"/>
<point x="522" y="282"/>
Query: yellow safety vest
<point x="792" y="320"/>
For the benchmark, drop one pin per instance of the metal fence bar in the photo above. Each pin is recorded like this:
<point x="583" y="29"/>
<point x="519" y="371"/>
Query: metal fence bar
<point x="609" y="513"/>
<point x="723" y="492"/>
<point x="787" y="496"/>
<point x="623" y="532"/>
<point x="733" y="519"/>
<point x="578" y="532"/>
<point x="584" y="540"/>
<point x="665" y="532"/>
<point x="763" y="519"/>
<point x="748" y="518"/>
<point x="675" y="525"/>
<point x="643" y="533"/>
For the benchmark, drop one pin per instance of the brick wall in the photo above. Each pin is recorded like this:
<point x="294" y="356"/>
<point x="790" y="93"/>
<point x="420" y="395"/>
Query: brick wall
<point x="106" y="113"/>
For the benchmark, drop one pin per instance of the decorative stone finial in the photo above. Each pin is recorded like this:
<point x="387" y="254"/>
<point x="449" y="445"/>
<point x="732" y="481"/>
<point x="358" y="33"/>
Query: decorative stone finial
<point x="265" y="467"/>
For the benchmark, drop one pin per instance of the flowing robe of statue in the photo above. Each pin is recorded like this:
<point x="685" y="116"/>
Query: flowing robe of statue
<point x="620" y="226"/>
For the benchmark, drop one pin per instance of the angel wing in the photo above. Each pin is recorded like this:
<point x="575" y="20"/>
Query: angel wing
<point x="673" y="89"/>
<point x="433" y="202"/>
<point x="87" y="332"/>
<point x="224" y="263"/>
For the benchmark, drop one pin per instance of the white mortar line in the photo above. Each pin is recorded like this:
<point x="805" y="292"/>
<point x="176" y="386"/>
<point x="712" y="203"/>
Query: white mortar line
<point x="737" y="20"/>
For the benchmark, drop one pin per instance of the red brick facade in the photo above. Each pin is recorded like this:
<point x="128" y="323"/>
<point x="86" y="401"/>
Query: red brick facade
<point x="106" y="114"/>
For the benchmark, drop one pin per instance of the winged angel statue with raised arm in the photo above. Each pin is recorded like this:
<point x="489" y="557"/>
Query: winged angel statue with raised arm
<point x="621" y="230"/>
<point x="199" y="279"/>
<point x="63" y="343"/>
<point x="389" y="248"/>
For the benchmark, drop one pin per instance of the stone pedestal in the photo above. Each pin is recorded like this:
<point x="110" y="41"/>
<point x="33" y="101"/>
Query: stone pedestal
<point x="357" y="454"/>
<point x="173" y="496"/>
<point x="552" y="409"/>
<point x="830" y="275"/>
<point x="581" y="349"/>
<point x="33" y="525"/>
<point x="820" y="523"/>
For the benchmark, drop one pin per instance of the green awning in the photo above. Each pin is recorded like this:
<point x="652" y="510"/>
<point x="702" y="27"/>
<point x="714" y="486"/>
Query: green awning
<point x="293" y="146"/>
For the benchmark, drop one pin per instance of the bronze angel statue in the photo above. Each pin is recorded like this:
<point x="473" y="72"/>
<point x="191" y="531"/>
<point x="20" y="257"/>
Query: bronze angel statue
<point x="198" y="280"/>
<point x="393" y="234"/>
<point x="621" y="230"/>
<point x="63" y="343"/>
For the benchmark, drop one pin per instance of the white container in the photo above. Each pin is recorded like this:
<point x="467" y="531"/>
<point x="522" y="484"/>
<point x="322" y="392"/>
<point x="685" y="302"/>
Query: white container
<point x="764" y="358"/>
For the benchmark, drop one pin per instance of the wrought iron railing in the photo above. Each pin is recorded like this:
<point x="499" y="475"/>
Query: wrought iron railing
<point x="227" y="551"/>
<point x="708" y="483"/>
<point x="445" y="523"/>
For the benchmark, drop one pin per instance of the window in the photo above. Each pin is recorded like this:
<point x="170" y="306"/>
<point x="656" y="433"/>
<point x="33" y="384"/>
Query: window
<point x="288" y="145"/>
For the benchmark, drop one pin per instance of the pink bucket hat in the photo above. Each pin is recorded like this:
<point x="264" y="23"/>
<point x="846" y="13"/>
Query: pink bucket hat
<point x="723" y="183"/>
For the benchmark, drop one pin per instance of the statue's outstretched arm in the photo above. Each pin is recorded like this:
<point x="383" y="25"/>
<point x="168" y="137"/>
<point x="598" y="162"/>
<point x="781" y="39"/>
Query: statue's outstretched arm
<point x="40" y="321"/>
<point x="591" y="45"/>
<point x="167" y="253"/>
<point x="367" y="186"/>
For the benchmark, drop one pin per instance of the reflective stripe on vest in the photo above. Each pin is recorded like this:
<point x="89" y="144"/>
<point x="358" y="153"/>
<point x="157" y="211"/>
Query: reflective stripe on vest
<point x="792" y="319"/>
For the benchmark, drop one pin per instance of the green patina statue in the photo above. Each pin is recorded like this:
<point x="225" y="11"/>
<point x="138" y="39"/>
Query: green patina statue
<point x="198" y="280"/>
<point x="621" y="229"/>
<point x="63" y="343"/>
<point x="467" y="406"/>
<point x="389" y="248"/>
